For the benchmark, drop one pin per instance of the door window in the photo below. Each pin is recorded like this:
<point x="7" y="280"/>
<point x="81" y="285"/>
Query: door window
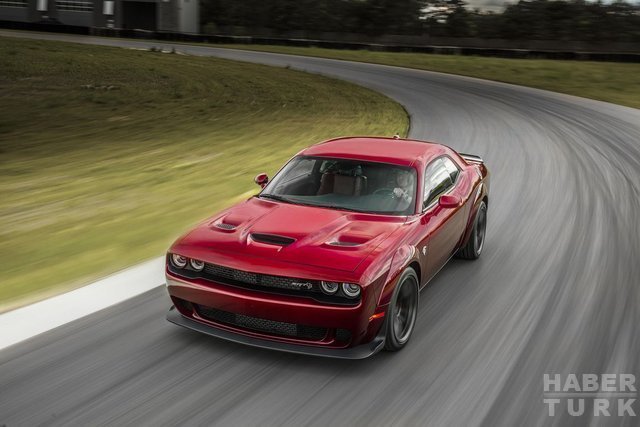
<point x="437" y="182"/>
<point x="451" y="168"/>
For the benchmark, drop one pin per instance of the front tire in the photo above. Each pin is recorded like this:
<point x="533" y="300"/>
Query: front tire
<point x="474" y="246"/>
<point x="403" y="311"/>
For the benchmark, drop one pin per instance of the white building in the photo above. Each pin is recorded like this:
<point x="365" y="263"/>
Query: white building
<point x="175" y="16"/>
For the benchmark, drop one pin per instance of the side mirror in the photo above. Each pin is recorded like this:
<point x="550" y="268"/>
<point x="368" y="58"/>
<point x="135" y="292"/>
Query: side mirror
<point x="448" y="201"/>
<point x="261" y="179"/>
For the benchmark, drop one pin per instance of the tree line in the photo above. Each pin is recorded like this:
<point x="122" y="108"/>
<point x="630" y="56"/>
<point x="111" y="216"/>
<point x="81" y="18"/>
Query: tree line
<point x="525" y="20"/>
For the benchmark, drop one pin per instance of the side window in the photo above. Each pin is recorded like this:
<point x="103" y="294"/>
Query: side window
<point x="451" y="168"/>
<point x="437" y="182"/>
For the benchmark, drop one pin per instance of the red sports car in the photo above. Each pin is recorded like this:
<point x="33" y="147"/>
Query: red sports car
<point x="329" y="258"/>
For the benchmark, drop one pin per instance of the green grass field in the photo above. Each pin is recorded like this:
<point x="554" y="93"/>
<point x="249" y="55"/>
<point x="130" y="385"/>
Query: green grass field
<point x="606" y="81"/>
<point x="107" y="155"/>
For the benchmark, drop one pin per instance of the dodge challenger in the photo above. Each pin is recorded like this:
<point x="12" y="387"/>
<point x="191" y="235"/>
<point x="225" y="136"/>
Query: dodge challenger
<point x="329" y="258"/>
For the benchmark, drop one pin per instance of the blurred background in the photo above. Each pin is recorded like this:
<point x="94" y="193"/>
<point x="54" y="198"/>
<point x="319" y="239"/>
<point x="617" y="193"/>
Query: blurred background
<point x="535" y="24"/>
<point x="573" y="26"/>
<point x="95" y="142"/>
<point x="125" y="122"/>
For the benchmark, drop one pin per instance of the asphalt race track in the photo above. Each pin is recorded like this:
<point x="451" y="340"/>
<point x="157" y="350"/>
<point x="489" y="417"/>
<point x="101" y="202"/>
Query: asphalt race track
<point x="557" y="290"/>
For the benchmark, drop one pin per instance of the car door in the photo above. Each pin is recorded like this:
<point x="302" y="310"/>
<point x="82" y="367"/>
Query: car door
<point x="444" y="226"/>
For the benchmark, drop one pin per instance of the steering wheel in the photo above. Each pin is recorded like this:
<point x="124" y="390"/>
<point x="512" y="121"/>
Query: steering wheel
<point x="384" y="192"/>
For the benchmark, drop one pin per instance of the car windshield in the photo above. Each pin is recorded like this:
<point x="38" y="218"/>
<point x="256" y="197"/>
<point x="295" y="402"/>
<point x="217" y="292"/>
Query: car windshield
<point x="346" y="184"/>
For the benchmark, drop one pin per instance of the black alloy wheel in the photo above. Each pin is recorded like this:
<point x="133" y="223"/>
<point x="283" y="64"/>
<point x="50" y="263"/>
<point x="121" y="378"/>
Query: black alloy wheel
<point x="474" y="246"/>
<point x="403" y="311"/>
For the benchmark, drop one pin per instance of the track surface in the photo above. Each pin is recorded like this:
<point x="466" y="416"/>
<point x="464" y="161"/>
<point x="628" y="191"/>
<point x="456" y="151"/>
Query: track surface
<point x="557" y="290"/>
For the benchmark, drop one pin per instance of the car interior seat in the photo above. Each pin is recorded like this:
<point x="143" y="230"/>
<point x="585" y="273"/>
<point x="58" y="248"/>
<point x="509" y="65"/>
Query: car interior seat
<point x="342" y="184"/>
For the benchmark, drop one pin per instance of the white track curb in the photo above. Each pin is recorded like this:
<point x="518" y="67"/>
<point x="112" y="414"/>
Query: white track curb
<point x="26" y="322"/>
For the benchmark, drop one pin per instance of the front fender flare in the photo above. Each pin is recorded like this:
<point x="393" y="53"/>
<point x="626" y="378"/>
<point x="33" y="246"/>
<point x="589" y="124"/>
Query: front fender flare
<point x="403" y="256"/>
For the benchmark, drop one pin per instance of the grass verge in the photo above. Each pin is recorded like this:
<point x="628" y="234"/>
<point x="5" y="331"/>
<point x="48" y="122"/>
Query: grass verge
<point x="107" y="154"/>
<point x="614" y="82"/>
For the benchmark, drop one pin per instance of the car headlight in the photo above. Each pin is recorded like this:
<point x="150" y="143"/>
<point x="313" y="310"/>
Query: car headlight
<point x="329" y="288"/>
<point x="178" y="260"/>
<point x="351" y="290"/>
<point x="196" y="265"/>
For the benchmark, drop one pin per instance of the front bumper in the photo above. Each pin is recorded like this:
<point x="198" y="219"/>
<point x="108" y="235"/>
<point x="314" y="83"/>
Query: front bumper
<point x="286" y="323"/>
<point x="359" y="352"/>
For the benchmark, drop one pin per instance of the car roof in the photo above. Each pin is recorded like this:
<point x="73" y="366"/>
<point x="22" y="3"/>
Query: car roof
<point x="405" y="152"/>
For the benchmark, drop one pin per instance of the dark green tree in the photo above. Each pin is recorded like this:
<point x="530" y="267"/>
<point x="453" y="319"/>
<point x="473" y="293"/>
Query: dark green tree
<point x="596" y="22"/>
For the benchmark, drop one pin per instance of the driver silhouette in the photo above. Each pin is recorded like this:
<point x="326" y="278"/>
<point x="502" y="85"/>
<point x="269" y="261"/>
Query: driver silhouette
<point x="404" y="187"/>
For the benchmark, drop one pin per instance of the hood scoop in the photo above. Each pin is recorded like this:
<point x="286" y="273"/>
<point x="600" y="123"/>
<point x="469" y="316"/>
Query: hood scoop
<point x="224" y="226"/>
<point x="349" y="240"/>
<point x="272" y="239"/>
<point x="343" y="244"/>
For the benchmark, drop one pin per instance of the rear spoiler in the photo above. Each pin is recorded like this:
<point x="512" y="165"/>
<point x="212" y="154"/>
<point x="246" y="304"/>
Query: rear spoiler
<point x="471" y="158"/>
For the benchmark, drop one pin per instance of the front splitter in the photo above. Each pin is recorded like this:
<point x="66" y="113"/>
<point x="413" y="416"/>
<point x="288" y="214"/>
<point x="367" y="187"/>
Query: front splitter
<point x="359" y="352"/>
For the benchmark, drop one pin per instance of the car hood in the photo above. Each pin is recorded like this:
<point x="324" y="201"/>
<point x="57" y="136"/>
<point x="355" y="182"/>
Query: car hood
<point x="319" y="237"/>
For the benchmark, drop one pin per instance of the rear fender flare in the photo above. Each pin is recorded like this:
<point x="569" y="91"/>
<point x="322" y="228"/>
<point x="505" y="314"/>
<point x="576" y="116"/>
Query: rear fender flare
<point x="481" y="193"/>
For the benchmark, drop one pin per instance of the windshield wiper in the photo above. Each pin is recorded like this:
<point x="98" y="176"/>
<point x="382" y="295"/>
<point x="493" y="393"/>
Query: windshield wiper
<point x="342" y="208"/>
<point x="275" y="197"/>
<point x="305" y="203"/>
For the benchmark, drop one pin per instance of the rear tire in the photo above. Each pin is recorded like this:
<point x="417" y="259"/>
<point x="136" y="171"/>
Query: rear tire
<point x="474" y="246"/>
<point x="402" y="312"/>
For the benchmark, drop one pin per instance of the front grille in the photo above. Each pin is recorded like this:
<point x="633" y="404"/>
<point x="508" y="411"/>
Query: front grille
<point x="231" y="274"/>
<point x="343" y="335"/>
<point x="244" y="277"/>
<point x="266" y="326"/>
<point x="263" y="282"/>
